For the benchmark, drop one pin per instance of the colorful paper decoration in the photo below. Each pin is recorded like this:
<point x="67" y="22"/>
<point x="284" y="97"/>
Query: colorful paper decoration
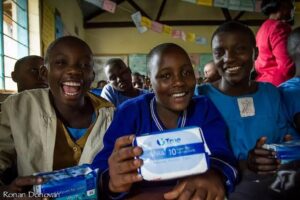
<point x="109" y="6"/>
<point x="146" y="22"/>
<point x="191" y="37"/>
<point x="201" y="40"/>
<point x="205" y="2"/>
<point x="157" y="27"/>
<point x="136" y="18"/>
<point x="143" y="23"/>
<point x="176" y="34"/>
<point x="167" y="29"/>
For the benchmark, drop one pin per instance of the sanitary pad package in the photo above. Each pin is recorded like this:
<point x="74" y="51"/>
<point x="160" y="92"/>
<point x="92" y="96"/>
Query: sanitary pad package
<point x="287" y="151"/>
<point x="173" y="153"/>
<point x="79" y="182"/>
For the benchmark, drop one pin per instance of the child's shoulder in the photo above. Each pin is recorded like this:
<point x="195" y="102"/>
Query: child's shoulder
<point x="291" y="84"/>
<point x="28" y="99"/>
<point x="27" y="95"/>
<point x="201" y="101"/>
<point x="142" y="101"/>
<point x="267" y="87"/>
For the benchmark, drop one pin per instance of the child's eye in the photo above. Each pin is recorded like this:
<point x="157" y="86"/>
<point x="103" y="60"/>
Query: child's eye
<point x="34" y="71"/>
<point x="164" y="76"/>
<point x="85" y="65"/>
<point x="112" y="78"/>
<point x="187" y="73"/>
<point x="60" y="62"/>
<point x="218" y="52"/>
<point x="240" y="48"/>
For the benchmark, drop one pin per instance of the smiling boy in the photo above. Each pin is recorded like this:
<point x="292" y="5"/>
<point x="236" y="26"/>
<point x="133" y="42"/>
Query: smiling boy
<point x="54" y="128"/>
<point x="120" y="87"/>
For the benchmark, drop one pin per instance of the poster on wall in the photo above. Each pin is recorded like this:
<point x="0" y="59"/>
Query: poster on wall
<point x="99" y="63"/>
<point x="138" y="63"/>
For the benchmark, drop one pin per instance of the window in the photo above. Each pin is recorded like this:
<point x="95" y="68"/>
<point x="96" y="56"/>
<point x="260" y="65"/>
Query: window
<point x="14" y="39"/>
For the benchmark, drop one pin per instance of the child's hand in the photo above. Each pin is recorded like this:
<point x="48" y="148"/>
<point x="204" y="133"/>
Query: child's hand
<point x="122" y="165"/>
<point x="207" y="186"/>
<point x="262" y="161"/>
<point x="20" y="184"/>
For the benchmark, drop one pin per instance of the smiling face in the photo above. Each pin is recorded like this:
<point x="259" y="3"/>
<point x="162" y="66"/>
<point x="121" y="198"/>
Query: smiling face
<point x="119" y="75"/>
<point x="172" y="77"/>
<point x="233" y="54"/>
<point x="70" y="71"/>
<point x="137" y="81"/>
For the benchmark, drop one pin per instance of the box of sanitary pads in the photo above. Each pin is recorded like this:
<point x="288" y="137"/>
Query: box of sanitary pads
<point x="79" y="182"/>
<point x="287" y="151"/>
<point x="173" y="153"/>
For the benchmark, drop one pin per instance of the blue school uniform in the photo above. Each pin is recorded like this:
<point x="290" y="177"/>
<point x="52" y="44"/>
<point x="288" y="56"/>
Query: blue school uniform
<point x="116" y="97"/>
<point x="290" y="91"/>
<point x="138" y="116"/>
<point x="251" y="116"/>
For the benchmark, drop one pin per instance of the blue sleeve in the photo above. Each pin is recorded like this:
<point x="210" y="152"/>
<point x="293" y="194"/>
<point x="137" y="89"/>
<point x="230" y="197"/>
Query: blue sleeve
<point x="290" y="97"/>
<point x="108" y="94"/>
<point x="122" y="124"/>
<point x="285" y="123"/>
<point x="215" y="133"/>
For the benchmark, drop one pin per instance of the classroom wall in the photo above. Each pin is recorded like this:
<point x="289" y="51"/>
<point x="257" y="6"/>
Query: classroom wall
<point x="129" y="40"/>
<point x="34" y="27"/>
<point x="71" y="15"/>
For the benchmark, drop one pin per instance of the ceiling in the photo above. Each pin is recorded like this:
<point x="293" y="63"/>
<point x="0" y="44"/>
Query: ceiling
<point x="181" y="14"/>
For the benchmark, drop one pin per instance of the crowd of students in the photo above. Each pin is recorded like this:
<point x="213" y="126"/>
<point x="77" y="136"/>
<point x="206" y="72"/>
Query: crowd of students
<point x="45" y="129"/>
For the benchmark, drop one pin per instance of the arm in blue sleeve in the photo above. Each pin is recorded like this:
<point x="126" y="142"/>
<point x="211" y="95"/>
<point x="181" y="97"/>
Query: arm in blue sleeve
<point x="222" y="157"/>
<point x="122" y="124"/>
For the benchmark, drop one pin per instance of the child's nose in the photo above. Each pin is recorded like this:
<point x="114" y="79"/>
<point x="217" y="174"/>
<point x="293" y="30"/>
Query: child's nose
<point x="229" y="56"/>
<point x="74" y="69"/>
<point x="178" y="80"/>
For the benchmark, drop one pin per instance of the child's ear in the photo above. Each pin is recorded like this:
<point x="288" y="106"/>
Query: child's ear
<point x="43" y="72"/>
<point x="14" y="76"/>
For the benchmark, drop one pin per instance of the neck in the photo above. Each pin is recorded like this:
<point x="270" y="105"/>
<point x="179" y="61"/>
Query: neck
<point x="274" y="16"/>
<point x="77" y="115"/>
<point x="168" y="117"/>
<point x="236" y="89"/>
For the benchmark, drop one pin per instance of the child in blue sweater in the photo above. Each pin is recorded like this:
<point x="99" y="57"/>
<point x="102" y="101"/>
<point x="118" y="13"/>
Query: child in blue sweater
<point x="170" y="106"/>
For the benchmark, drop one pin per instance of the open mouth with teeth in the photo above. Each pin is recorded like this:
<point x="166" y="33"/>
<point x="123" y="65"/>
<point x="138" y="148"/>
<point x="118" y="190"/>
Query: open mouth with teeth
<point x="232" y="70"/>
<point x="71" y="88"/>
<point x="179" y="95"/>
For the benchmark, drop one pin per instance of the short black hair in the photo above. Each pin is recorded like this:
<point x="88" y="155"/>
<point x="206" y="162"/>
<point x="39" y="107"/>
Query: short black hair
<point x="159" y="50"/>
<point x="62" y="39"/>
<point x="234" y="26"/>
<point x="294" y="42"/>
<point x="115" y="62"/>
<point x="21" y="61"/>
<point x="272" y="6"/>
